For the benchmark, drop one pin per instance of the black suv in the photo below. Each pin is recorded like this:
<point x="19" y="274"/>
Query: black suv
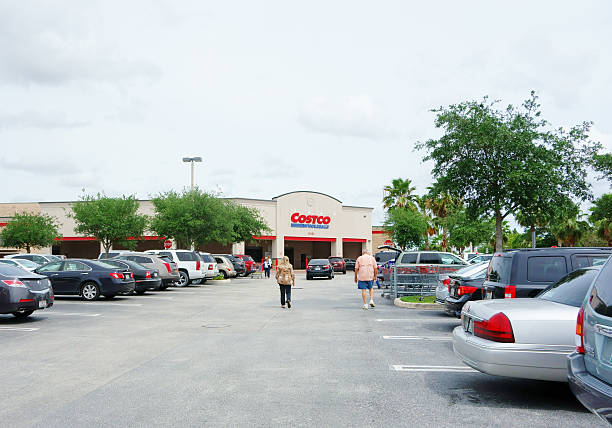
<point x="526" y="272"/>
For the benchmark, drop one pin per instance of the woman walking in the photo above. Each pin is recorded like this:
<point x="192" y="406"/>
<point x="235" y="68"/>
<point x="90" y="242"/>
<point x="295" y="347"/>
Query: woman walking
<point x="285" y="278"/>
<point x="267" y="266"/>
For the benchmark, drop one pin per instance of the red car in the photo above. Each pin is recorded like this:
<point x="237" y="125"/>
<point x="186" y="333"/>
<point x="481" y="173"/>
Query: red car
<point x="338" y="264"/>
<point x="249" y="263"/>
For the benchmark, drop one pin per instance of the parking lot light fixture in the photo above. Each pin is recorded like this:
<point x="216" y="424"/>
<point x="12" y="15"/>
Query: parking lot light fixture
<point x="192" y="160"/>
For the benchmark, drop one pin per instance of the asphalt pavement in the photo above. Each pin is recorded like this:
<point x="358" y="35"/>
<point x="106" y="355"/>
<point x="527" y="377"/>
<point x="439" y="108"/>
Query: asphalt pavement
<point x="228" y="355"/>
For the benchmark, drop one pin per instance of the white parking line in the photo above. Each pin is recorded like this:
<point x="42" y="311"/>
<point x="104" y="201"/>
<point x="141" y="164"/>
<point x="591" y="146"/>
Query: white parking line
<point x="18" y="328"/>
<point x="436" y="338"/>
<point x="418" y="320"/>
<point x="73" y="314"/>
<point x="79" y="302"/>
<point x="454" y="369"/>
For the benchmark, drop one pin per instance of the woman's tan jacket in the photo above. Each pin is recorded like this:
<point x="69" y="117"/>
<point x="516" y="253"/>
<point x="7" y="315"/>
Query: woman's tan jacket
<point x="284" y="274"/>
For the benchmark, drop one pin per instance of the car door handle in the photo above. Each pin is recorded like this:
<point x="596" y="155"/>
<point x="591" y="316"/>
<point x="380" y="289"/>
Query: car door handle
<point x="54" y="274"/>
<point x="83" y="273"/>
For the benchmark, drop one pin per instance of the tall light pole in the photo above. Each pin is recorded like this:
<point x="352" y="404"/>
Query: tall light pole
<point x="192" y="160"/>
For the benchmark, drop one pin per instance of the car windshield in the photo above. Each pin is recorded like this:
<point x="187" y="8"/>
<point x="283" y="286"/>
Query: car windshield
<point x="28" y="263"/>
<point x="472" y="271"/>
<point x="14" y="271"/>
<point x="207" y="258"/>
<point x="318" y="262"/>
<point x="103" y="265"/>
<point x="336" y="259"/>
<point x="571" y="289"/>
<point x="122" y="264"/>
<point x="499" y="269"/>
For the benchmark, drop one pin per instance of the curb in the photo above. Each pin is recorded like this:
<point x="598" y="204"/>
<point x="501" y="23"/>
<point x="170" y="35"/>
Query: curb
<point x="218" y="281"/>
<point x="409" y="305"/>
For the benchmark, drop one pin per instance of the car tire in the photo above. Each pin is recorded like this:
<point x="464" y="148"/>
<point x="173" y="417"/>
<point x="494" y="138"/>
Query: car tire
<point x="224" y="273"/>
<point x="196" y="281"/>
<point x="308" y="278"/>
<point x="344" y="272"/>
<point x="183" y="280"/>
<point x="90" y="291"/>
<point x="163" y="286"/>
<point x="22" y="314"/>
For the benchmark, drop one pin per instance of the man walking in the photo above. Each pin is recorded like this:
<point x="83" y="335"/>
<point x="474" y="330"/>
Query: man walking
<point x="366" y="271"/>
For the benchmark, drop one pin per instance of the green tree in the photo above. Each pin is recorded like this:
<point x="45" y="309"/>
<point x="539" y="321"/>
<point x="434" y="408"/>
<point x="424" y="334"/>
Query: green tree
<point x="567" y="225"/>
<point x="246" y="222"/>
<point x="399" y="194"/>
<point x="425" y="213"/>
<point x="110" y="220"/>
<point x="603" y="164"/>
<point x="601" y="217"/>
<point x="28" y="230"/>
<point x="463" y="230"/>
<point x="497" y="160"/>
<point x="407" y="227"/>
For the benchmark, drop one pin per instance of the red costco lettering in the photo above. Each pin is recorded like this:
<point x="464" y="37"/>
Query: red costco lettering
<point x="310" y="219"/>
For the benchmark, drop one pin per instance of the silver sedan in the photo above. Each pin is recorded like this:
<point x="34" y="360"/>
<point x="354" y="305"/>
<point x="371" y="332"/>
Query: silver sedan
<point x="524" y="338"/>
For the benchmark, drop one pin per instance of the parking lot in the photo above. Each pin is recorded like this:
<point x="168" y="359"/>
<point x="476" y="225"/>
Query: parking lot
<point x="227" y="354"/>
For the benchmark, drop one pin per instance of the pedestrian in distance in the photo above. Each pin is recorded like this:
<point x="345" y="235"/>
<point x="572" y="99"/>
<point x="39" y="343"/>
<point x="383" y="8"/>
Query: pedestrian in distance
<point x="285" y="279"/>
<point x="267" y="266"/>
<point x="366" y="271"/>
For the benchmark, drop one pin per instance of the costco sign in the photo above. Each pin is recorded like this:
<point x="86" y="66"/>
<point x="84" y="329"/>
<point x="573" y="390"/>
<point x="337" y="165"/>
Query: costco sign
<point x="310" y="221"/>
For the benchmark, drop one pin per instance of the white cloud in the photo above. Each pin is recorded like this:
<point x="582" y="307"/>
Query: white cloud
<point x="354" y="116"/>
<point x="33" y="119"/>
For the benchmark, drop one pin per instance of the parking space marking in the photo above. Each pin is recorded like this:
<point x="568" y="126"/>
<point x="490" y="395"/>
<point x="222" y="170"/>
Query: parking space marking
<point x="2" y="328"/>
<point x="96" y="303"/>
<point x="433" y="338"/>
<point x="457" y="320"/>
<point x="453" y="369"/>
<point x="73" y="314"/>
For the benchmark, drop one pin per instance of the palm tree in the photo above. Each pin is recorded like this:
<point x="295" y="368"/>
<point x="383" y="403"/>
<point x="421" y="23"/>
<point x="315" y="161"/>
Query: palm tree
<point x="441" y="206"/>
<point x="569" y="231"/>
<point x="421" y="205"/>
<point x="399" y="194"/>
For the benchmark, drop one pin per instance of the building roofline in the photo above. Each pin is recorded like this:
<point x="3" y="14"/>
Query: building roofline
<point x="306" y="191"/>
<point x="355" y="206"/>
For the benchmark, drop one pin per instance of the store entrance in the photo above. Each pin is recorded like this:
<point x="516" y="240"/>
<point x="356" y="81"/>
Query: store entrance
<point x="289" y="253"/>
<point x="301" y="251"/>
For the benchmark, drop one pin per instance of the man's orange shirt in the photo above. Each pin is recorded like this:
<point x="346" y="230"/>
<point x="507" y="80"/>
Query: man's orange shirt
<point x="365" y="266"/>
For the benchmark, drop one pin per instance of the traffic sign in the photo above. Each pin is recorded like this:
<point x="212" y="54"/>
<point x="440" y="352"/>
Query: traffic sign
<point x="167" y="244"/>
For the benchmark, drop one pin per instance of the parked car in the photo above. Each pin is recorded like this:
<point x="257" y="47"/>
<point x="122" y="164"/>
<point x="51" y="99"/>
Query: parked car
<point x="528" y="271"/>
<point x="209" y="266"/>
<point x="527" y="337"/>
<point x="166" y="268"/>
<point x="338" y="264"/>
<point x="41" y="259"/>
<point x="442" y="289"/>
<point x="114" y="253"/>
<point x="26" y="264"/>
<point x="238" y="263"/>
<point x="249" y="263"/>
<point x="350" y="264"/>
<point x="480" y="258"/>
<point x="225" y="266"/>
<point x="22" y="292"/>
<point x="189" y="265"/>
<point x="590" y="365"/>
<point x="144" y="278"/>
<point x="463" y="286"/>
<point x="319" y="267"/>
<point x="87" y="278"/>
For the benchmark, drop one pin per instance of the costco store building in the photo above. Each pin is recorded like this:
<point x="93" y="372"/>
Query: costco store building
<point x="303" y="225"/>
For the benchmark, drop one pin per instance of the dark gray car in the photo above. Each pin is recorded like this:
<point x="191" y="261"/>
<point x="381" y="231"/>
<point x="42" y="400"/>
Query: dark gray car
<point x="23" y="292"/>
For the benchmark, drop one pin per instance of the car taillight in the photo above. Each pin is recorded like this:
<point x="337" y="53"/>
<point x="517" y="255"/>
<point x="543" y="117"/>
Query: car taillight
<point x="580" y="332"/>
<point x="25" y="300"/>
<point x="497" y="329"/>
<point x="148" y="274"/>
<point x="466" y="289"/>
<point x="198" y="265"/>
<point x="13" y="282"/>
<point x="509" y="291"/>
<point x="167" y="266"/>
<point x="117" y="275"/>
<point x="446" y="282"/>
<point x="210" y="267"/>
<point x="326" y="267"/>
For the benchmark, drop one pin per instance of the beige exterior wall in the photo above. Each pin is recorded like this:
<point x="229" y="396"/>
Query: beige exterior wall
<point x="353" y="223"/>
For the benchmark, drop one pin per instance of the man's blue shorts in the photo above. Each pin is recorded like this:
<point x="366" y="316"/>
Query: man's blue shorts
<point x="365" y="285"/>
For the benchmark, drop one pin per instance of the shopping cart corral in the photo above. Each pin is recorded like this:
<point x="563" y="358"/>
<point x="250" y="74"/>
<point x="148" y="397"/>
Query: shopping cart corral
<point x="420" y="280"/>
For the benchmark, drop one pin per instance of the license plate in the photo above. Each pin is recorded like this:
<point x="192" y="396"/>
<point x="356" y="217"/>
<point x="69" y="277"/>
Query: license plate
<point x="42" y="303"/>
<point x="489" y="295"/>
<point x="468" y="324"/>
<point x="317" y="268"/>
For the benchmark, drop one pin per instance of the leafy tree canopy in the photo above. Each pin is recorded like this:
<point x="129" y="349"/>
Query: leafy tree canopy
<point x="503" y="161"/>
<point x="110" y="220"/>
<point x="407" y="226"/>
<point x="28" y="230"/>
<point x="399" y="194"/>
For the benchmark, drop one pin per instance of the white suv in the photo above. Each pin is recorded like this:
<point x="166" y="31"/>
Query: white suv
<point x="189" y="265"/>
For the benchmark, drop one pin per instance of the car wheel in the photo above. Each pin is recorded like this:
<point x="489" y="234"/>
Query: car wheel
<point x="308" y="278"/>
<point x="183" y="280"/>
<point x="90" y="291"/>
<point x="224" y="273"/>
<point x="22" y="314"/>
<point x="344" y="272"/>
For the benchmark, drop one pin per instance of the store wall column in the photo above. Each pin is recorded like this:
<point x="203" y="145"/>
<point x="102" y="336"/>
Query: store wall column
<point x="278" y="248"/>
<point x="238" y="248"/>
<point x="336" y="247"/>
<point x="366" y="246"/>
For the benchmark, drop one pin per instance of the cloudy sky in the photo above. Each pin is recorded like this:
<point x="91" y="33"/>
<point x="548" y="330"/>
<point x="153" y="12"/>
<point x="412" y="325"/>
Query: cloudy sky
<point x="276" y="96"/>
